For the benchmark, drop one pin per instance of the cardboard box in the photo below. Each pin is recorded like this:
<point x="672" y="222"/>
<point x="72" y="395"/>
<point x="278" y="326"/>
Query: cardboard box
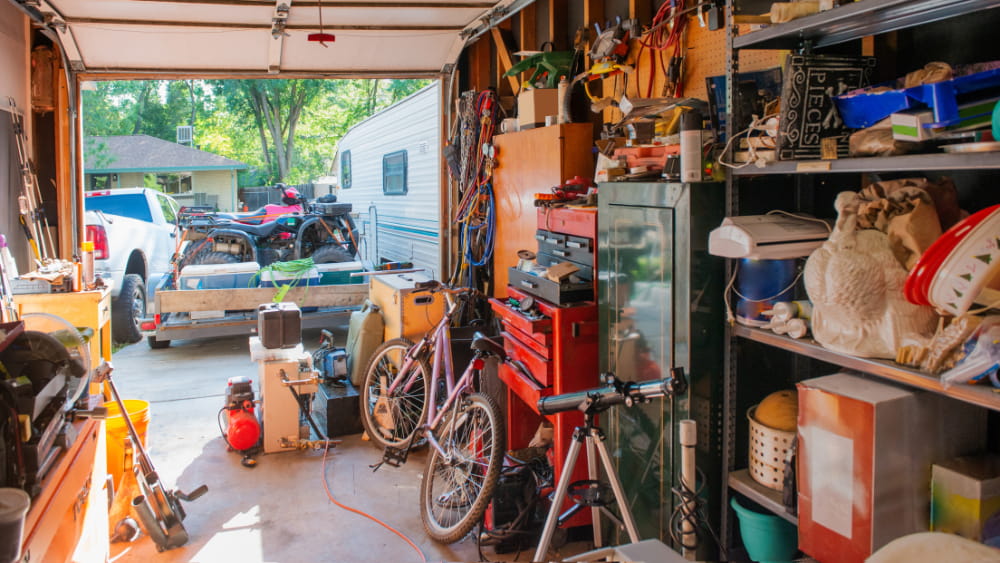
<point x="865" y="453"/>
<point x="919" y="125"/>
<point x="965" y="492"/>
<point x="533" y="105"/>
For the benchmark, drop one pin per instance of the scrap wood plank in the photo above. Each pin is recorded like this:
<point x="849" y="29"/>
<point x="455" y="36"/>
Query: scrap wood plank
<point x="188" y="300"/>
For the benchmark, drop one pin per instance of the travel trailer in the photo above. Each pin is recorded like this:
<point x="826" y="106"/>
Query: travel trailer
<point x="389" y="167"/>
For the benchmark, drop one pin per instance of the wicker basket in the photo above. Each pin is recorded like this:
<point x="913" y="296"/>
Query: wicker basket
<point x="768" y="448"/>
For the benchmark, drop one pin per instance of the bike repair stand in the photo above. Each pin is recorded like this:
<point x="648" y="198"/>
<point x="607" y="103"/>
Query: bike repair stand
<point x="591" y="492"/>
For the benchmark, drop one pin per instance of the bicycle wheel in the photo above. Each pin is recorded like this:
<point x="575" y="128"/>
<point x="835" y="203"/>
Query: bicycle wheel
<point x="392" y="420"/>
<point x="454" y="494"/>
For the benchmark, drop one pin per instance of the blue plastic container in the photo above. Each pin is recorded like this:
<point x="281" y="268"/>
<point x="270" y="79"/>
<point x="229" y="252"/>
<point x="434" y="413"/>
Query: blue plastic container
<point x="760" y="284"/>
<point x="768" y="538"/>
<point x="864" y="110"/>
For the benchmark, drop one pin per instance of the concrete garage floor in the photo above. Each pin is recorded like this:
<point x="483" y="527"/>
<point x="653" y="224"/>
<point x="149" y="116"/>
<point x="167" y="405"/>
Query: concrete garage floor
<point x="277" y="511"/>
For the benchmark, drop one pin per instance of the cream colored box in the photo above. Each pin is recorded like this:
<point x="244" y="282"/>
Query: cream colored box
<point x="533" y="105"/>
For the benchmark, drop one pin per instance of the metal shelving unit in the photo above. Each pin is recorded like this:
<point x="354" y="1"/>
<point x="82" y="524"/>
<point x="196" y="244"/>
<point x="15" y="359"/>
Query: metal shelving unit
<point x="741" y="482"/>
<point x="857" y="20"/>
<point x="851" y="22"/>
<point x="980" y="395"/>
<point x="909" y="162"/>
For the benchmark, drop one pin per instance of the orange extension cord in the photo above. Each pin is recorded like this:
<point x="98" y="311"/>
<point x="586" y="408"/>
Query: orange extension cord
<point x="326" y="485"/>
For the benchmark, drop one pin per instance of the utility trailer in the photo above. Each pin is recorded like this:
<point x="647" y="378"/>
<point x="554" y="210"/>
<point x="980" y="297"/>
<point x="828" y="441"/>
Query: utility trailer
<point x="180" y="314"/>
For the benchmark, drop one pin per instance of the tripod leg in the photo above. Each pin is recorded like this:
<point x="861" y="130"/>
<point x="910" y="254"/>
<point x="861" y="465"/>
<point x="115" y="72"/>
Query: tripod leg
<point x="558" y="499"/>
<point x="616" y="486"/>
<point x="595" y="512"/>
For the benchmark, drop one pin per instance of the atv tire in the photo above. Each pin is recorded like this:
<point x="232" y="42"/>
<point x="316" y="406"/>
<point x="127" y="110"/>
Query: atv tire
<point x="331" y="255"/>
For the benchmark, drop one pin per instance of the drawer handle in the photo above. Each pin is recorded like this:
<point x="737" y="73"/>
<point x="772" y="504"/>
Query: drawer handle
<point x="575" y="244"/>
<point x="423" y="300"/>
<point x="558" y="252"/>
<point x="529" y="284"/>
<point x="552" y="240"/>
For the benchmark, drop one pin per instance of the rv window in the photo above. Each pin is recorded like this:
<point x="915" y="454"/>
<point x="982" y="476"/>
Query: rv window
<point x="345" y="169"/>
<point x="394" y="173"/>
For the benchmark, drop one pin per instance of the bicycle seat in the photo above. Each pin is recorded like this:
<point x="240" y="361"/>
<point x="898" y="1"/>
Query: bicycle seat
<point x="481" y="343"/>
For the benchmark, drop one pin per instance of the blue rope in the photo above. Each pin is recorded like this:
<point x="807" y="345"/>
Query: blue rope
<point x="483" y="233"/>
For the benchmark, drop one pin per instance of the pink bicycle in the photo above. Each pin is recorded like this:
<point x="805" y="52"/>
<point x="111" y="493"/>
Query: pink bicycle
<point x="400" y="392"/>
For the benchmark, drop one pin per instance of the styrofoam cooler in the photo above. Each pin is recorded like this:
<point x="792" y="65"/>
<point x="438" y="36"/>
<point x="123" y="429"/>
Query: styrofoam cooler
<point x="339" y="272"/>
<point x="218" y="276"/>
<point x="272" y="278"/>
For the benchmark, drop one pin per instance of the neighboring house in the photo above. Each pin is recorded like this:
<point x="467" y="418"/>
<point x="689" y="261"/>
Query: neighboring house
<point x="191" y="176"/>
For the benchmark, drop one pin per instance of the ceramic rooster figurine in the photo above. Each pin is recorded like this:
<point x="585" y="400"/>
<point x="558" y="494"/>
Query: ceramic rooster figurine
<point x="855" y="284"/>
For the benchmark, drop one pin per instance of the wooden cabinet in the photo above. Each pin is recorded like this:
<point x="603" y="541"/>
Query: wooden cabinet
<point x="530" y="162"/>
<point x="83" y="309"/>
<point x="68" y="519"/>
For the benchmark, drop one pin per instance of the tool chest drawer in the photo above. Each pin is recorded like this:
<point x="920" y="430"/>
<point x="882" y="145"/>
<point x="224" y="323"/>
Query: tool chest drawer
<point x="538" y="365"/>
<point x="528" y="391"/>
<point x="558" y="293"/>
<point x="566" y="247"/>
<point x="586" y="269"/>
<point x="541" y="343"/>
<point x="550" y="238"/>
<point x="577" y="221"/>
<point x="539" y="327"/>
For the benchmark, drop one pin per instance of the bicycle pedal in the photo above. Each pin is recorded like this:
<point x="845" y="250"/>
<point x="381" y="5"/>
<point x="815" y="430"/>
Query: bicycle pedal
<point x="395" y="456"/>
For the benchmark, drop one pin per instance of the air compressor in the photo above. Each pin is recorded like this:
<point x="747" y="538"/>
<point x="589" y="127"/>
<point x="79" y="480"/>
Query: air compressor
<point x="242" y="429"/>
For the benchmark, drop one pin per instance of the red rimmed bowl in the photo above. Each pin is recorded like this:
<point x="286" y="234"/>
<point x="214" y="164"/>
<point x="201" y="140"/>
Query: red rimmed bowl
<point x="917" y="288"/>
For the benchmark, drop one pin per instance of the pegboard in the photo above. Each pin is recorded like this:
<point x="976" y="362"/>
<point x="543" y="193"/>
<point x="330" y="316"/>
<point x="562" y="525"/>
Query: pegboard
<point x="706" y="56"/>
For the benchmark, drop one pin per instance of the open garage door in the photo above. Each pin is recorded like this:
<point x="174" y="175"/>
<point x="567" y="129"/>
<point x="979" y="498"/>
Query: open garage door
<point x="255" y="38"/>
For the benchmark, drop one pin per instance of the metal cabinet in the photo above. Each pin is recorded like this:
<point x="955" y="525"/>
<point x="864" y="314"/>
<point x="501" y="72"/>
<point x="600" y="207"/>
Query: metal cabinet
<point x="660" y="307"/>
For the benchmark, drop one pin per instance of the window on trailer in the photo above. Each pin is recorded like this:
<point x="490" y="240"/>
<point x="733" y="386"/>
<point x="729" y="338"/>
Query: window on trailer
<point x="394" y="173"/>
<point x="345" y="169"/>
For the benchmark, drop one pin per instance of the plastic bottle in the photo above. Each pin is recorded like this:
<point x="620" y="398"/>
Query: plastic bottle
<point x="691" y="157"/>
<point x="784" y="311"/>
<point x="87" y="264"/>
<point x="9" y="265"/>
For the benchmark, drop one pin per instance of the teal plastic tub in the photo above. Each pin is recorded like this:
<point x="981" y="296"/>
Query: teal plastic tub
<point x="768" y="538"/>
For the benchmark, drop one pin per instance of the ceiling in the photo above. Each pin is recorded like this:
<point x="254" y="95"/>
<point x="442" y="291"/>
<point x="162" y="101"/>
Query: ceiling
<point x="247" y="38"/>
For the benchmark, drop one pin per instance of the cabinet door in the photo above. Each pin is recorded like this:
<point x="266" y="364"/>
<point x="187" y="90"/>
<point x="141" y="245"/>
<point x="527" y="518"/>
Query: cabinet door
<point x="530" y="162"/>
<point x="638" y="291"/>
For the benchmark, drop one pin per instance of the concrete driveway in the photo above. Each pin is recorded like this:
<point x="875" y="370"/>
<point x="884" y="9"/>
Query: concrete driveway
<point x="279" y="510"/>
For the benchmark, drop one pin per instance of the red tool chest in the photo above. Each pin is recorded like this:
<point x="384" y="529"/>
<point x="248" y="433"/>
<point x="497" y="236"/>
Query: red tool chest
<point x="560" y="351"/>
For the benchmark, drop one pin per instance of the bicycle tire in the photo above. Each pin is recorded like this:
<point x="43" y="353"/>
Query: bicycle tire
<point x="447" y="509"/>
<point x="384" y="361"/>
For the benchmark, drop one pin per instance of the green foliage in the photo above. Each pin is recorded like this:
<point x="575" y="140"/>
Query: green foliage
<point x="285" y="130"/>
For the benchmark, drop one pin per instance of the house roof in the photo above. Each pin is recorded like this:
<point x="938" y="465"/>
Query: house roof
<point x="142" y="153"/>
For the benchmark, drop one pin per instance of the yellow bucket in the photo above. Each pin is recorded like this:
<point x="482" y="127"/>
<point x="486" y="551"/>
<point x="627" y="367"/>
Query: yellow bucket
<point x="116" y="431"/>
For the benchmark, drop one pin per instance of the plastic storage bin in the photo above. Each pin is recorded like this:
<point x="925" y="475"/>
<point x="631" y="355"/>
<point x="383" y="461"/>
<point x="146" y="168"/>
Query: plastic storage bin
<point x="218" y="276"/>
<point x="339" y="272"/>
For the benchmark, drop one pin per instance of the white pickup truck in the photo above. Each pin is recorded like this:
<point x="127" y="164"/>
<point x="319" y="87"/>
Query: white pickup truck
<point x="134" y="236"/>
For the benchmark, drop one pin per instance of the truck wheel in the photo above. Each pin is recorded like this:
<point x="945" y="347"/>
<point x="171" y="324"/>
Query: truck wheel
<point x="215" y="258"/>
<point x="157" y="344"/>
<point x="128" y="310"/>
<point x="330" y="255"/>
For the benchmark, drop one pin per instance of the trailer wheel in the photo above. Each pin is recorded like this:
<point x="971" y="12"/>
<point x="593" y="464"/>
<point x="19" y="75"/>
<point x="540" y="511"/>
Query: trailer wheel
<point x="331" y="255"/>
<point x="215" y="258"/>
<point x="155" y="344"/>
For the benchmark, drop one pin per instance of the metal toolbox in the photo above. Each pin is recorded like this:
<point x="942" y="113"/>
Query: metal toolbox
<point x="557" y="293"/>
